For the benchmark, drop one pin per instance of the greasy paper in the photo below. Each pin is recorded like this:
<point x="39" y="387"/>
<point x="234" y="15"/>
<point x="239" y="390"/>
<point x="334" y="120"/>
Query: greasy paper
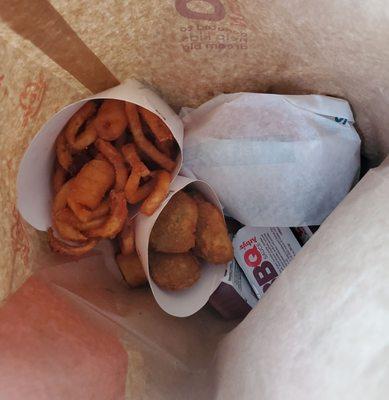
<point x="34" y="177"/>
<point x="289" y="159"/>
<point x="181" y="303"/>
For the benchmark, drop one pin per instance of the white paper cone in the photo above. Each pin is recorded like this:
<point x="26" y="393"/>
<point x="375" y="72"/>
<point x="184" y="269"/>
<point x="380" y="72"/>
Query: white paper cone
<point x="34" y="178"/>
<point x="184" y="302"/>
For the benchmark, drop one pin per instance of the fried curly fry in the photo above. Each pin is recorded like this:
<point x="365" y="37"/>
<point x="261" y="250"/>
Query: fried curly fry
<point x="66" y="249"/>
<point x="61" y="198"/>
<point x="155" y="123"/>
<point x="136" y="193"/>
<point x="167" y="147"/>
<point x="115" y="221"/>
<point x="84" y="139"/>
<point x="64" y="155"/>
<point x="127" y="238"/>
<point x="160" y="191"/>
<point x="59" y="178"/>
<point x="68" y="217"/>
<point x="100" y="156"/>
<point x="64" y="223"/>
<point x="101" y="210"/>
<point x="142" y="142"/>
<point x="111" y="120"/>
<point x="121" y="141"/>
<point x="117" y="161"/>
<point x="131" y="269"/>
<point x="89" y="187"/>
<point x="132" y="157"/>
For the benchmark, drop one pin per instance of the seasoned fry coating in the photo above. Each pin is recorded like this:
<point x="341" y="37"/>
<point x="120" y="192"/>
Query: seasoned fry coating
<point x="111" y="153"/>
<point x="158" y="194"/>
<point x="62" y="149"/>
<point x="111" y="120"/>
<point x="174" y="231"/>
<point x="61" y="198"/>
<point x="88" y="188"/>
<point x="115" y="221"/>
<point x="67" y="216"/>
<point x="84" y="139"/>
<point x="63" y="222"/>
<point x="127" y="238"/>
<point x="63" y="248"/>
<point x="59" y="178"/>
<point x="174" y="271"/>
<point x="131" y="156"/>
<point x="131" y="269"/>
<point x="117" y="161"/>
<point x="156" y="125"/>
<point x="134" y="192"/>
<point x="212" y="241"/>
<point x="142" y="142"/>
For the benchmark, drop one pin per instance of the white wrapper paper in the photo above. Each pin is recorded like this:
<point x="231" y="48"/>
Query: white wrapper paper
<point x="34" y="177"/>
<point x="181" y="303"/>
<point x="273" y="160"/>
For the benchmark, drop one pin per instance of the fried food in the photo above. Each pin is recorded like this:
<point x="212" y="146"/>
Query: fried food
<point x="62" y="149"/>
<point x="121" y="141"/>
<point x="63" y="248"/>
<point x="136" y="193"/>
<point x="158" y="194"/>
<point x="212" y="241"/>
<point x="79" y="141"/>
<point x="117" y="161"/>
<point x="104" y="150"/>
<point x="174" y="271"/>
<point x="89" y="187"/>
<point x="131" y="269"/>
<point x="64" y="224"/>
<point x="174" y="231"/>
<point x="111" y="120"/>
<point x="67" y="216"/>
<point x="132" y="157"/>
<point x="61" y="198"/>
<point x="142" y="142"/>
<point x="79" y="160"/>
<point x="167" y="147"/>
<point x="101" y="210"/>
<point x="157" y="126"/>
<point x="59" y="178"/>
<point x="127" y="238"/>
<point x="115" y="221"/>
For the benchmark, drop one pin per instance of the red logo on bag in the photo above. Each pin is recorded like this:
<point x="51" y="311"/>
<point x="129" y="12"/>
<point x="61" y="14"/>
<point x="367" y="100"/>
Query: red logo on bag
<point x="31" y="97"/>
<point x="217" y="14"/>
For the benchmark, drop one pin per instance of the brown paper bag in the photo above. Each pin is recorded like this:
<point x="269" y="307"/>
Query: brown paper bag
<point x="73" y="330"/>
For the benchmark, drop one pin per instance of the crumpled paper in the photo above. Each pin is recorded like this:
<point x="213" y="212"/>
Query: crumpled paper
<point x="273" y="160"/>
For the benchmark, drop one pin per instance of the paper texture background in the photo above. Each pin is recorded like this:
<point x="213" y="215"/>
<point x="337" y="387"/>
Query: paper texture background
<point x="325" y="347"/>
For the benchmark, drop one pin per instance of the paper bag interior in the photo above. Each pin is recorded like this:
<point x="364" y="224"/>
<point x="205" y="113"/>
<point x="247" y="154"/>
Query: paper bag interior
<point x="73" y="329"/>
